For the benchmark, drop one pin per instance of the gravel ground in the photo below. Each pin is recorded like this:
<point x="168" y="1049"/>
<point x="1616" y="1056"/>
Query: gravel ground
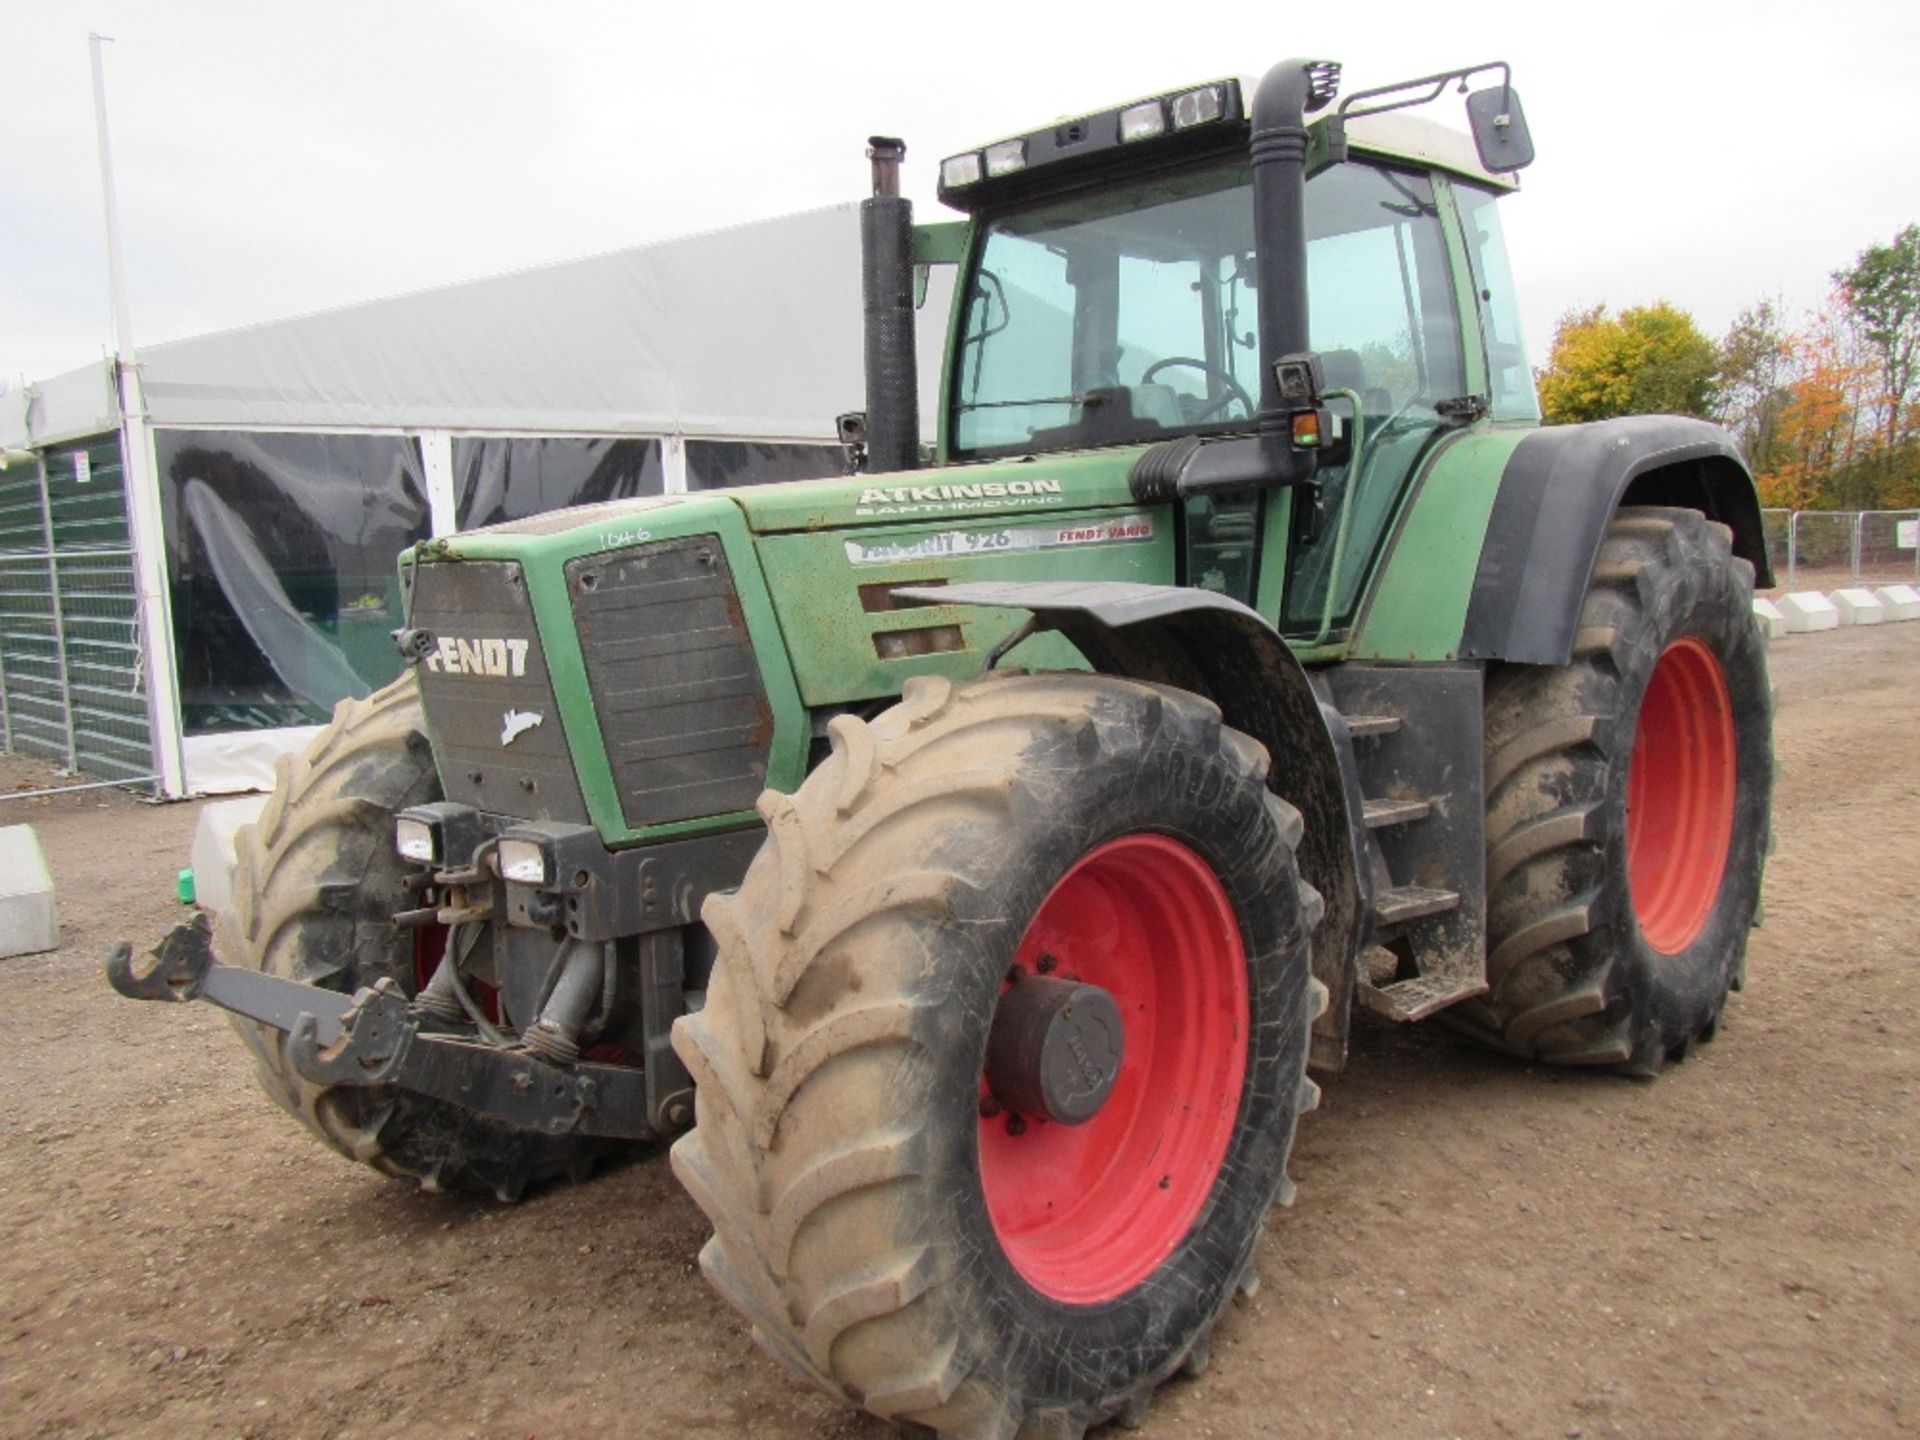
<point x="1480" y="1247"/>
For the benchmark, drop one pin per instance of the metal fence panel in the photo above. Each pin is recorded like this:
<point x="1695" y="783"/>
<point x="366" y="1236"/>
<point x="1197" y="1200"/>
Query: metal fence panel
<point x="1823" y="548"/>
<point x="1776" y="528"/>
<point x="1888" y="549"/>
<point x="93" y="559"/>
<point x="30" y="655"/>
<point x="72" y="682"/>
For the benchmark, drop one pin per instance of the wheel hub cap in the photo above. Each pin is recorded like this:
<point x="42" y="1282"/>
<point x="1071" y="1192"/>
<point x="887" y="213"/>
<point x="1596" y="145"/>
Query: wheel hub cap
<point x="1055" y="1049"/>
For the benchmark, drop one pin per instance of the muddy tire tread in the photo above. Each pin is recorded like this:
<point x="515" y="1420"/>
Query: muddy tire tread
<point x="793" y="1247"/>
<point x="1553" y="735"/>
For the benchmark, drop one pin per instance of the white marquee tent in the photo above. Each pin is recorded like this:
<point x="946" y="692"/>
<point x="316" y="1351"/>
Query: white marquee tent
<point x="271" y="474"/>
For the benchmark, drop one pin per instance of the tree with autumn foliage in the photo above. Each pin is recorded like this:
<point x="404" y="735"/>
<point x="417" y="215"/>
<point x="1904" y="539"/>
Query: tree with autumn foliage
<point x="1759" y="359"/>
<point x="1827" y="410"/>
<point x="1814" y="458"/>
<point x="1881" y="293"/>
<point x="1647" y="360"/>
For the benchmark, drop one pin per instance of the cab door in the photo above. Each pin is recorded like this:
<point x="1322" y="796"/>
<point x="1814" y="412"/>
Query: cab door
<point x="1385" y="319"/>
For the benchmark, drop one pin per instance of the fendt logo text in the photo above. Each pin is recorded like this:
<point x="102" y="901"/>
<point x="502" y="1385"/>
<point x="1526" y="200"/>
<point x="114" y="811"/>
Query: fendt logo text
<point x="479" y="657"/>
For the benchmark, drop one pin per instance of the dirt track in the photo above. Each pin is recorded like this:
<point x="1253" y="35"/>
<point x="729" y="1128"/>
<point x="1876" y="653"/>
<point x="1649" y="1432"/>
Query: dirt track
<point x="1480" y="1248"/>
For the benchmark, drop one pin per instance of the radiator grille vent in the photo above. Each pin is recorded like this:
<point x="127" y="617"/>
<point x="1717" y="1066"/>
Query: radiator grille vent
<point x="682" y="709"/>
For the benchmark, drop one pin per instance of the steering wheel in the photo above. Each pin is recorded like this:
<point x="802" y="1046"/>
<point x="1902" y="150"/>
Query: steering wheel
<point x="1216" y="372"/>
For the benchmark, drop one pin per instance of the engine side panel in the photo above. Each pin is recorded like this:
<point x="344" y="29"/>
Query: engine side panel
<point x="852" y="638"/>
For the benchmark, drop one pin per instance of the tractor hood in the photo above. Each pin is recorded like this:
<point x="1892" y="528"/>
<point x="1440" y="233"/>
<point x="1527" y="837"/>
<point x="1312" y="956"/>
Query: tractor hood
<point x="1087" y="479"/>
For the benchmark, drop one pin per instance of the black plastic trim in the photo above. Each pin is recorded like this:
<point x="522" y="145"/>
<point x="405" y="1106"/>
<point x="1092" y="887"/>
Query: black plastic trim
<point x="1072" y="152"/>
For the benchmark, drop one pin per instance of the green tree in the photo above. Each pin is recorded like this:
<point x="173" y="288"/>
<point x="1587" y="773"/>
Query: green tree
<point x="1647" y="360"/>
<point x="1881" y="291"/>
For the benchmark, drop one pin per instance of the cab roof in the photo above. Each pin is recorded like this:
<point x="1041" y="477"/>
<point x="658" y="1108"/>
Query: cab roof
<point x="1081" y="146"/>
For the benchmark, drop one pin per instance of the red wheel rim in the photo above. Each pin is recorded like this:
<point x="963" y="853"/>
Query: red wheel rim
<point x="1086" y="1212"/>
<point x="1680" y="790"/>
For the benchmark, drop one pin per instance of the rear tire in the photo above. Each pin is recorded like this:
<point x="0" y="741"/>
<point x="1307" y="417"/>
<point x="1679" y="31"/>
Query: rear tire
<point x="1628" y="796"/>
<point x="872" y="1216"/>
<point x="315" y="891"/>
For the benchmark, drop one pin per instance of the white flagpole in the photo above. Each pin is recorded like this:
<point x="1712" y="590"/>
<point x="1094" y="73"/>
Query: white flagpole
<point x="141" y="476"/>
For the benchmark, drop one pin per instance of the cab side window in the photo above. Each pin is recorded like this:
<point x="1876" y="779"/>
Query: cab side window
<point x="1386" y="323"/>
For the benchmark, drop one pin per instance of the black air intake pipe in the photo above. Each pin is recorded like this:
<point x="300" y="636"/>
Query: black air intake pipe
<point x="886" y="282"/>
<point x="1278" y="152"/>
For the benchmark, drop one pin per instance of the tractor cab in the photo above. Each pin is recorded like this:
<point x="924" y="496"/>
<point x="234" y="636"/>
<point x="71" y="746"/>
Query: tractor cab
<point x="1111" y="295"/>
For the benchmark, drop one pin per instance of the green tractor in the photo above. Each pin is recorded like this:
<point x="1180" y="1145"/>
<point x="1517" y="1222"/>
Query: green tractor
<point x="968" y="859"/>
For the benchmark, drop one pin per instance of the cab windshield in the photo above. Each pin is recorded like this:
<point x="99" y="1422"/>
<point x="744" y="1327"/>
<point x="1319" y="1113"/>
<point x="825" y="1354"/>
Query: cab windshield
<point x="1128" y="314"/>
<point x="1117" y="316"/>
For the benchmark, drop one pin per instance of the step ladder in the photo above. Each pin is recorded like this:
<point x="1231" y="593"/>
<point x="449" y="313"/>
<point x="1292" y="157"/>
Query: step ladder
<point x="1416" y="745"/>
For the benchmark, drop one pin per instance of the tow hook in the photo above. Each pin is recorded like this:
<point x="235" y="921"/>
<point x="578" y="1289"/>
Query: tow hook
<point x="175" y="969"/>
<point x="373" y="1039"/>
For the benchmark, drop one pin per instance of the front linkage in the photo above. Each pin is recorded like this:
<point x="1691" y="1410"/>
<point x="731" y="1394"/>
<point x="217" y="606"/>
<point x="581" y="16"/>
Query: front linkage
<point x="373" y="1038"/>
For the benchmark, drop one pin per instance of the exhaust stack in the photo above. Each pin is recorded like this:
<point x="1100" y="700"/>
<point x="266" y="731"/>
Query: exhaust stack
<point x="886" y="254"/>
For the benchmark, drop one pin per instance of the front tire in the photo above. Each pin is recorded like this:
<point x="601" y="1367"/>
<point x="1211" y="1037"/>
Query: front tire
<point x="1628" y="798"/>
<point x="893" y="1232"/>
<point x="315" y="889"/>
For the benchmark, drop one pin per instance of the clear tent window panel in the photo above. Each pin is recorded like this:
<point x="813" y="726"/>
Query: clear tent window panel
<point x="281" y="561"/>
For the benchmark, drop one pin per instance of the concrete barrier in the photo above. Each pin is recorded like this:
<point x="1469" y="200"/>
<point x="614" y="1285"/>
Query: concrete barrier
<point x="1808" y="610"/>
<point x="1770" y="618"/>
<point x="212" y="853"/>
<point x="28" y="921"/>
<point x="1902" y="601"/>
<point x="1858" y="606"/>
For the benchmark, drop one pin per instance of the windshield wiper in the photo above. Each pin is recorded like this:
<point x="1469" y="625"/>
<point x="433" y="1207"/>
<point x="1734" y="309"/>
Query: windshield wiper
<point x="1091" y="397"/>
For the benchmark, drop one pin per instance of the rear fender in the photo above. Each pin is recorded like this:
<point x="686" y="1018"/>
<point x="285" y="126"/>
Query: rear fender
<point x="1217" y="647"/>
<point x="1558" y="494"/>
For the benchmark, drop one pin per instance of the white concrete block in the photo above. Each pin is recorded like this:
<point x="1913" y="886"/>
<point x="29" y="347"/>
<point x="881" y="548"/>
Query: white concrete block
<point x="1902" y="601"/>
<point x="212" y="854"/>
<point x="1858" y="606"/>
<point x="1807" y="610"/>
<point x="28" y="922"/>
<point x="1770" y="618"/>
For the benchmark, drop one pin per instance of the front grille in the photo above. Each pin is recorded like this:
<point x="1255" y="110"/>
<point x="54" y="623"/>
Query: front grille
<point x="483" y="686"/>
<point x="682" y="709"/>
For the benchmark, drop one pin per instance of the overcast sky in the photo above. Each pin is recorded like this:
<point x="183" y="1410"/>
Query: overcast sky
<point x="276" y="158"/>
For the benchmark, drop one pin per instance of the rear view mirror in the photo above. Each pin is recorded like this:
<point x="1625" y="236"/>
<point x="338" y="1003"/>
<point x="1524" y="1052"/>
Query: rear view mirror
<point x="1500" y="129"/>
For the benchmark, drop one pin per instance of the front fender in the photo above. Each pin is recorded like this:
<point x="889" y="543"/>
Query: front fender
<point x="1217" y="647"/>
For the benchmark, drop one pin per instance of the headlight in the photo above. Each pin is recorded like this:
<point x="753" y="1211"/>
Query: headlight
<point x="1006" y="157"/>
<point x="957" y="171"/>
<point x="413" y="838"/>
<point x="1197" y="107"/>
<point x="1143" y="121"/>
<point x="441" y="834"/>
<point x="550" y="855"/>
<point x="524" y="862"/>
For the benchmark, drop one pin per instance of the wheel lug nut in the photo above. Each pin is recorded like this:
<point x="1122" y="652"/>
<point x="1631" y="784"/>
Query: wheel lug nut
<point x="989" y="1107"/>
<point x="1016" y="1125"/>
<point x="1046" y="965"/>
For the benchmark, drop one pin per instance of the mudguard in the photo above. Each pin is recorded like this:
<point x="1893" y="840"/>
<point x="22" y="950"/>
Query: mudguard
<point x="1217" y="647"/>
<point x="1558" y="493"/>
